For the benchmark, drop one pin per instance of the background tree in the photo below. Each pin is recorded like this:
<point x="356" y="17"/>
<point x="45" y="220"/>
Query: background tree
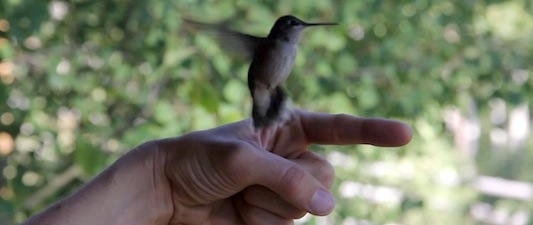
<point x="84" y="81"/>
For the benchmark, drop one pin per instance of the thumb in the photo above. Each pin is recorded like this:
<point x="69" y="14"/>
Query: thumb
<point x="292" y="183"/>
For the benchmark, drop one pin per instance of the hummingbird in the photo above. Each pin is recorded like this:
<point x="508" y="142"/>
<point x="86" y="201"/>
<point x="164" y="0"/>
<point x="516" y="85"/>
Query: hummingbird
<point x="272" y="60"/>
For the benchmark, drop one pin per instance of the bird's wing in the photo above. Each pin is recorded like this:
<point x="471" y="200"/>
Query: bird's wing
<point x="232" y="41"/>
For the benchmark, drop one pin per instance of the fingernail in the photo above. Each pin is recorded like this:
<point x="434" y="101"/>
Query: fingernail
<point x="322" y="202"/>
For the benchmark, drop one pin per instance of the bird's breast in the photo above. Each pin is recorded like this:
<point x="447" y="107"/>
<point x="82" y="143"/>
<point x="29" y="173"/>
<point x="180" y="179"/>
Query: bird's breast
<point x="272" y="65"/>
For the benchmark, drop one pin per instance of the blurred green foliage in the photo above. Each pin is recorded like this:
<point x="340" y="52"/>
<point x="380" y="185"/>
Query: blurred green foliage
<point x="84" y="81"/>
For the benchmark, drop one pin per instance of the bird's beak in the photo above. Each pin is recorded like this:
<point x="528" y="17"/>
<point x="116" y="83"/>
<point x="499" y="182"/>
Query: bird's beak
<point x="320" y="24"/>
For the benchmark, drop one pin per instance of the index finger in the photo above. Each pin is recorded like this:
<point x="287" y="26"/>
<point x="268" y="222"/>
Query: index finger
<point x="342" y="129"/>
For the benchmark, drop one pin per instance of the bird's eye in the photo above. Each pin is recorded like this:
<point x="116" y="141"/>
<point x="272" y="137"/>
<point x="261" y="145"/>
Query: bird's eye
<point x="293" y="23"/>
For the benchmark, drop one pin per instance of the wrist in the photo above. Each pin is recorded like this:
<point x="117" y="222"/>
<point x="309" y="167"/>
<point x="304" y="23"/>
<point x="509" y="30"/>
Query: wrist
<point x="149" y="159"/>
<point x="133" y="190"/>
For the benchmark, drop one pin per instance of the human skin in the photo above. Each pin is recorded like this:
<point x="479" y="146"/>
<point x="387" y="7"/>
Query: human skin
<point x="227" y="175"/>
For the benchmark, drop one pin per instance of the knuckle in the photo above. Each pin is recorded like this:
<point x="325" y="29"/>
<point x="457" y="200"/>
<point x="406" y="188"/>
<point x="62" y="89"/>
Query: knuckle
<point x="254" y="215"/>
<point x="299" y="214"/>
<point x="320" y="168"/>
<point x="293" y="213"/>
<point x="325" y="173"/>
<point x="260" y="197"/>
<point x="292" y="178"/>
<point x="250" y="194"/>
<point x="234" y="160"/>
<point x="334" y="133"/>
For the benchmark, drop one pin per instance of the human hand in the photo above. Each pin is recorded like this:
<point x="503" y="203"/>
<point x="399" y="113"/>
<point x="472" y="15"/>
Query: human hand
<point x="234" y="175"/>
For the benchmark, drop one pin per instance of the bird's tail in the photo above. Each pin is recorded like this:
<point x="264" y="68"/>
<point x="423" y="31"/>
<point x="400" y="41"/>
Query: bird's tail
<point x="276" y="112"/>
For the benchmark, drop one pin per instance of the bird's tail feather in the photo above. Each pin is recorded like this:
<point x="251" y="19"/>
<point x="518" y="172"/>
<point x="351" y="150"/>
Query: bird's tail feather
<point x="275" y="111"/>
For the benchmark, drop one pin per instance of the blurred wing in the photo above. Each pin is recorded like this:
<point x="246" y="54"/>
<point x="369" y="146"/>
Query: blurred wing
<point x="232" y="41"/>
